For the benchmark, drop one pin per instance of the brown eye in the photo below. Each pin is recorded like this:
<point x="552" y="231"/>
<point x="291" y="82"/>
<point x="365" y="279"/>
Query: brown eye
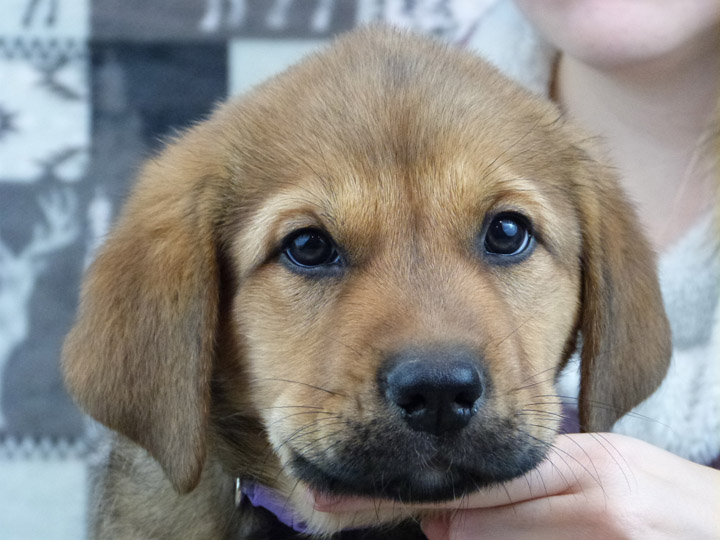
<point x="508" y="234"/>
<point x="310" y="248"/>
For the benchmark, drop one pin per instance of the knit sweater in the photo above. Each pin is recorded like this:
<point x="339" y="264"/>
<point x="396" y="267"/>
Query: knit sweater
<point x="683" y="415"/>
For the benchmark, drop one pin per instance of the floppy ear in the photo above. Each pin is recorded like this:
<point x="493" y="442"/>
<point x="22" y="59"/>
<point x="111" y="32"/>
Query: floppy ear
<point x="139" y="356"/>
<point x="625" y="333"/>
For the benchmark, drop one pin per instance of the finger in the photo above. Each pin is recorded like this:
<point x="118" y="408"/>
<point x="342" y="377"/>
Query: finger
<point x="555" y="518"/>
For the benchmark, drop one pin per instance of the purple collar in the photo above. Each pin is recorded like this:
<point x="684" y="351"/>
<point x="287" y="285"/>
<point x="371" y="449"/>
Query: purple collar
<point x="261" y="496"/>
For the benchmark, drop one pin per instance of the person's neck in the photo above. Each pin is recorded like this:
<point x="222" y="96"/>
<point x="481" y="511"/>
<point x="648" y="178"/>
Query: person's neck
<point x="653" y="117"/>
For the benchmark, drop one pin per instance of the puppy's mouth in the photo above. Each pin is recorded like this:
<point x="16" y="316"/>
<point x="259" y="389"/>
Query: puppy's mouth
<point x="419" y="473"/>
<point x="422" y="485"/>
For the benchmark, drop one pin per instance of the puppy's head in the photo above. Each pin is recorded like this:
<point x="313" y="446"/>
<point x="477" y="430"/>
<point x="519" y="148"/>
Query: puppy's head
<point x="381" y="259"/>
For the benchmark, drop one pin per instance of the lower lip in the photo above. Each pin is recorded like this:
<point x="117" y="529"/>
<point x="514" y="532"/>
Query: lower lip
<point x="430" y="483"/>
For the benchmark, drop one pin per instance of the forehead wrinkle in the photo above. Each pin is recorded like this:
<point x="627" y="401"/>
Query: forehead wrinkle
<point x="258" y="237"/>
<point x="552" y="214"/>
<point x="371" y="209"/>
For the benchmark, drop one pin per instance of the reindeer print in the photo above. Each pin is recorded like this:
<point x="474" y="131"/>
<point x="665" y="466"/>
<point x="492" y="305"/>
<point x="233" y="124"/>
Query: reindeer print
<point x="19" y="271"/>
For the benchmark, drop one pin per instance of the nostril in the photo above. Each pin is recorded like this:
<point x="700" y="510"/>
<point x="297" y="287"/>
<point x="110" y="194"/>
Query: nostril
<point x="467" y="400"/>
<point x="412" y="404"/>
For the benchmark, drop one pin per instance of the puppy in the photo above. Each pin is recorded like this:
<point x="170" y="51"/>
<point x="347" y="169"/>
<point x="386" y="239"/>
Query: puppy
<point x="361" y="278"/>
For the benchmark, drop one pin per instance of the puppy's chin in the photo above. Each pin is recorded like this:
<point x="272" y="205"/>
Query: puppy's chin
<point x="390" y="461"/>
<point x="421" y="482"/>
<point x="395" y="496"/>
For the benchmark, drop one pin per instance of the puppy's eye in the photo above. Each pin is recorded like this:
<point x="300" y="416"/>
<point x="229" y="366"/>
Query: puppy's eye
<point x="508" y="234"/>
<point x="310" y="248"/>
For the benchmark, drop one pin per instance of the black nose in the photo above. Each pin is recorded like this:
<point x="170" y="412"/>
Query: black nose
<point x="435" y="390"/>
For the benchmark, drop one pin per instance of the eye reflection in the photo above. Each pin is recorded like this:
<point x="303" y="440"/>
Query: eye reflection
<point x="508" y="234"/>
<point x="310" y="248"/>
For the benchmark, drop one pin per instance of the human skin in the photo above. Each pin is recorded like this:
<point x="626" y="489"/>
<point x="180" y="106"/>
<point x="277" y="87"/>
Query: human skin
<point x="617" y="34"/>
<point x="591" y="486"/>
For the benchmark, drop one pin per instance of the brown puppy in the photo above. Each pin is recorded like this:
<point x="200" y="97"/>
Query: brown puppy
<point x="361" y="277"/>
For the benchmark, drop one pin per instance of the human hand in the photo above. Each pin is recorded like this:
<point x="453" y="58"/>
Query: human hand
<point x="590" y="486"/>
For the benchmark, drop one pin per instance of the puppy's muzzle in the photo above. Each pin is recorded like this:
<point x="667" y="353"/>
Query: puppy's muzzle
<point x="435" y="390"/>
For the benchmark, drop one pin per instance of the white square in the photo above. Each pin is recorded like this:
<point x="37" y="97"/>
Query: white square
<point x="45" y="19"/>
<point x="251" y="61"/>
<point x="44" y="113"/>
<point x="43" y="499"/>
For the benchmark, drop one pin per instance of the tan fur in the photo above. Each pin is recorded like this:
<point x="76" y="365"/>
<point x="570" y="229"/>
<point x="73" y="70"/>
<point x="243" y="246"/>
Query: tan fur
<point x="190" y="330"/>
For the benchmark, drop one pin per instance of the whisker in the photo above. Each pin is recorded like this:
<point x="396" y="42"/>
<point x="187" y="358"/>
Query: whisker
<point x="296" y="414"/>
<point x="551" y="368"/>
<point x="518" y="388"/>
<point x="512" y="503"/>
<point x="315" y="441"/>
<point x="289" y="496"/>
<point x="572" y="400"/>
<point x="536" y="412"/>
<point x="352" y="349"/>
<point x="303" y="384"/>
<point x="290" y="407"/>
<point x="558" y="451"/>
<point x="597" y="436"/>
<point x="487" y="171"/>
<point x="245" y="413"/>
<point x="518" y="327"/>
<point x="302" y="431"/>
